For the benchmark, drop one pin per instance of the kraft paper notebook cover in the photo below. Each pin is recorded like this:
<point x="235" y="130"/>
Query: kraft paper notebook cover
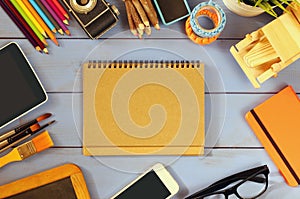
<point x="143" y="108"/>
<point x="276" y="123"/>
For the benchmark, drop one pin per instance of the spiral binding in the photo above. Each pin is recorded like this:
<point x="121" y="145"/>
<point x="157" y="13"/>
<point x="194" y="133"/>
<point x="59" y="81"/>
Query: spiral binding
<point x="144" y="64"/>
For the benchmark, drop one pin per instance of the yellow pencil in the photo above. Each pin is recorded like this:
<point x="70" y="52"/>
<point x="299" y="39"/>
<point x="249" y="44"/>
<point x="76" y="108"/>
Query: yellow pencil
<point x="40" y="21"/>
<point x="32" y="19"/>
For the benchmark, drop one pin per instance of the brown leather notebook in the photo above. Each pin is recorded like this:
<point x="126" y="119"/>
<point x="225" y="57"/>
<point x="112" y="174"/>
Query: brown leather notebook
<point x="276" y="123"/>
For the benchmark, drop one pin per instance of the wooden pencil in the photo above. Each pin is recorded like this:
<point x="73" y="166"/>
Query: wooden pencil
<point x="19" y="23"/>
<point x="136" y="19"/>
<point x="57" y="12"/>
<point x="151" y="13"/>
<point x="24" y="16"/>
<point x="141" y="12"/>
<point x="49" y="16"/>
<point x="61" y="9"/>
<point x="130" y="20"/>
<point x="56" y="18"/>
<point x="42" y="15"/>
<point x="32" y="18"/>
<point x="40" y="20"/>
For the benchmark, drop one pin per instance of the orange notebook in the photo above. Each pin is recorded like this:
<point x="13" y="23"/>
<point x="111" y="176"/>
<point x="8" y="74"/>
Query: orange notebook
<point x="276" y="123"/>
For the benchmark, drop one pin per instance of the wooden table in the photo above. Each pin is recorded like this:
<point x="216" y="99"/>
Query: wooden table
<point x="236" y="147"/>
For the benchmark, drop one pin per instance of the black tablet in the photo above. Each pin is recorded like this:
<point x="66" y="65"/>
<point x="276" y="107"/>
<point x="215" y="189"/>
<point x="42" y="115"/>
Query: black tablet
<point x="21" y="90"/>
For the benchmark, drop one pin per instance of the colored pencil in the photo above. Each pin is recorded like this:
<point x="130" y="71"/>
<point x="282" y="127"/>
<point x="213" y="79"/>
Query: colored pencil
<point x="61" y="9"/>
<point x="54" y="15"/>
<point x="31" y="17"/>
<point x="42" y="15"/>
<point x="40" y="21"/>
<point x="24" y="16"/>
<point x="53" y="21"/>
<point x="57" y="12"/>
<point x="14" y="18"/>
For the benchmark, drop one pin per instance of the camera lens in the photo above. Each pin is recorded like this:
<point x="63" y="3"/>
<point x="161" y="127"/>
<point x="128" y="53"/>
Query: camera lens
<point x="82" y="2"/>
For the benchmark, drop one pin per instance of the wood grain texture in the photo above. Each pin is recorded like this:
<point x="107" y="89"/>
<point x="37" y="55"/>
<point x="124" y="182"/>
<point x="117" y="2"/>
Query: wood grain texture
<point x="235" y="146"/>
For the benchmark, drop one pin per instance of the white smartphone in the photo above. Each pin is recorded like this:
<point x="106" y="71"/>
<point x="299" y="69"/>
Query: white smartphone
<point x="156" y="183"/>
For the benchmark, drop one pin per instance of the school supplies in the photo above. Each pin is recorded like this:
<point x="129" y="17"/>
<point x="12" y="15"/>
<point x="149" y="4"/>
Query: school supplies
<point x="140" y="13"/>
<point x="55" y="16"/>
<point x="66" y="181"/>
<point x="143" y="108"/>
<point x="24" y="92"/>
<point x="32" y="147"/>
<point x="40" y="21"/>
<point x="23" y="135"/>
<point x="276" y="123"/>
<point x="36" y="23"/>
<point x="23" y="26"/>
<point x="199" y="34"/>
<point x="60" y="8"/>
<point x="270" y="49"/>
<point x="24" y="126"/>
<point x="171" y="11"/>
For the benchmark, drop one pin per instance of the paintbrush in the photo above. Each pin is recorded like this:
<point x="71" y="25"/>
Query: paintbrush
<point x="34" y="146"/>
<point x="13" y="140"/>
<point x="24" y="126"/>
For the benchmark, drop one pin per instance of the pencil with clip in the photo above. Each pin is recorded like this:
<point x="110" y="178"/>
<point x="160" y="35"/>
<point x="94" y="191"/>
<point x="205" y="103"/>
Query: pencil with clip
<point x="23" y="135"/>
<point x="24" y="126"/>
<point x="32" y="147"/>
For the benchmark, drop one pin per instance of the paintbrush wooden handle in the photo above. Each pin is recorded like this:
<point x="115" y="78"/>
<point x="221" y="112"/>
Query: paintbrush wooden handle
<point x="10" y="157"/>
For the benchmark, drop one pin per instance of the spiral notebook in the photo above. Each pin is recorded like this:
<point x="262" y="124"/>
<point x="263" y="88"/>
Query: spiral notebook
<point x="143" y="108"/>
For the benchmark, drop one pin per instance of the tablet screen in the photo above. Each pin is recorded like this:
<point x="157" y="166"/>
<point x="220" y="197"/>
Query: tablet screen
<point x="21" y="91"/>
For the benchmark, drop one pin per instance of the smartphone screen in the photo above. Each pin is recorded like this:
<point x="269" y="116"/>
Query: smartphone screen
<point x="148" y="187"/>
<point x="172" y="9"/>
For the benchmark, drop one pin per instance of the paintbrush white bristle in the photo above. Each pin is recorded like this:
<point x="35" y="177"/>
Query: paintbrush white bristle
<point x="42" y="141"/>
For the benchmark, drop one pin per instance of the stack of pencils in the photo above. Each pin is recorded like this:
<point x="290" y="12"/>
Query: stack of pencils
<point x="38" y="20"/>
<point x="140" y="13"/>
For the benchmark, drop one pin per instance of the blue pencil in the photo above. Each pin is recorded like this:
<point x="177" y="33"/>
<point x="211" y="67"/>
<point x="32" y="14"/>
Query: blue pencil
<point x="42" y="15"/>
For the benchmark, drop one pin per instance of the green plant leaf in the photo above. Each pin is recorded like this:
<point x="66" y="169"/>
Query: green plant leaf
<point x="277" y="3"/>
<point x="258" y="2"/>
<point x="267" y="8"/>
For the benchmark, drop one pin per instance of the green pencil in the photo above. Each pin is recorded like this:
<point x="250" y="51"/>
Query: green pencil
<point x="28" y="21"/>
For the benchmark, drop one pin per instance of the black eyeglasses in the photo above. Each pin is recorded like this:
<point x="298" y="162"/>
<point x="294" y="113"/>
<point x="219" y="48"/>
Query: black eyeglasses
<point x="247" y="184"/>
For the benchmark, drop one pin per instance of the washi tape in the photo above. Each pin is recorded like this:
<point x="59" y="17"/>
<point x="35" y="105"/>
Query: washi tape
<point x="201" y="35"/>
<point x="195" y="38"/>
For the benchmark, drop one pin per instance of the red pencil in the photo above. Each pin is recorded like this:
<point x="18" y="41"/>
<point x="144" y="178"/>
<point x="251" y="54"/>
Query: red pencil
<point x="56" y="18"/>
<point x="23" y="26"/>
<point x="61" y="9"/>
<point x="57" y="12"/>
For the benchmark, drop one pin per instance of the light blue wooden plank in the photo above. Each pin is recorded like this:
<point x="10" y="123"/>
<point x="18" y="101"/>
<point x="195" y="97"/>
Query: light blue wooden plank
<point x="61" y="69"/>
<point x="233" y="131"/>
<point x="236" y="26"/>
<point x="105" y="176"/>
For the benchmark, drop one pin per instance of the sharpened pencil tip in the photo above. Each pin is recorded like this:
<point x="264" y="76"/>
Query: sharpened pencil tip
<point x="68" y="32"/>
<point x="46" y="50"/>
<point x="66" y="22"/>
<point x="61" y="31"/>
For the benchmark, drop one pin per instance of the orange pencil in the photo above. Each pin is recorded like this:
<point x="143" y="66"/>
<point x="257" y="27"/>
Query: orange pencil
<point x="61" y="9"/>
<point x="40" y="21"/>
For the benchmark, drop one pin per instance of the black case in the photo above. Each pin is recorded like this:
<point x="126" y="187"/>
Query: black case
<point x="98" y="21"/>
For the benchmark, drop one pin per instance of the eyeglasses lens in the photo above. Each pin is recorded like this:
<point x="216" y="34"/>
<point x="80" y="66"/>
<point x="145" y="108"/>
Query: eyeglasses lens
<point x="253" y="187"/>
<point x="215" y="196"/>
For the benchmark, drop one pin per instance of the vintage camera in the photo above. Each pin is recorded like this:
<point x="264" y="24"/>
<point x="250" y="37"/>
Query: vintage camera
<point x="95" y="16"/>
